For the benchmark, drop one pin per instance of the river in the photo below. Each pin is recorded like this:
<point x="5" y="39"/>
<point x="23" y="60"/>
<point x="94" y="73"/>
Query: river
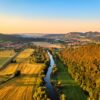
<point x="51" y="91"/>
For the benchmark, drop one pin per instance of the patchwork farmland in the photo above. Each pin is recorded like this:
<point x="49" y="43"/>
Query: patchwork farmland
<point x="24" y="77"/>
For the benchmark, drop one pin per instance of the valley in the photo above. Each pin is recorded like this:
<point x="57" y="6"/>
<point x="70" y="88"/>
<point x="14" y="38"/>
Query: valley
<point x="50" y="71"/>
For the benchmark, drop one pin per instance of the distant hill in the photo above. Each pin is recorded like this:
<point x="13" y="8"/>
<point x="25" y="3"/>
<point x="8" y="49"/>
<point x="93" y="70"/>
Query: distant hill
<point x="55" y="36"/>
<point x="7" y="37"/>
<point x="79" y="36"/>
<point x="22" y="37"/>
<point x="93" y="36"/>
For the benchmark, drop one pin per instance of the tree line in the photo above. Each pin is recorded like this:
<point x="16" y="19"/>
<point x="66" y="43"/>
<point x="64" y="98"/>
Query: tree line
<point x="84" y="66"/>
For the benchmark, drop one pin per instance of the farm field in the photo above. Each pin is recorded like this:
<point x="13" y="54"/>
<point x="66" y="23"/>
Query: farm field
<point x="18" y="89"/>
<point x="7" y="53"/>
<point x="23" y="67"/>
<point x="5" y="56"/>
<point x="47" y="45"/>
<point x="22" y="86"/>
<point x="70" y="88"/>
<point x="24" y="55"/>
<point x="3" y="60"/>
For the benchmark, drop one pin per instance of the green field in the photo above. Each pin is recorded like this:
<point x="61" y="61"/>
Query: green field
<point x="3" y="60"/>
<point x="70" y="88"/>
<point x="6" y="56"/>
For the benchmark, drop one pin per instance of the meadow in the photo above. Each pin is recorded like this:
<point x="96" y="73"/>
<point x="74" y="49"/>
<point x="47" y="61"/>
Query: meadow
<point x="69" y="89"/>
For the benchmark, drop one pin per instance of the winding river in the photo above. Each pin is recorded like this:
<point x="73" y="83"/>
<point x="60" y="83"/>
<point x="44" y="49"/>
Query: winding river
<point x="49" y="86"/>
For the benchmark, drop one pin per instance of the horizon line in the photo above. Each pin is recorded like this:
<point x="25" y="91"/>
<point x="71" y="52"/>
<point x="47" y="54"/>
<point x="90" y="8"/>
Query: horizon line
<point x="49" y="33"/>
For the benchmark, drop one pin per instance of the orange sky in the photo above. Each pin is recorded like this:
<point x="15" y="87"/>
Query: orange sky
<point x="11" y="24"/>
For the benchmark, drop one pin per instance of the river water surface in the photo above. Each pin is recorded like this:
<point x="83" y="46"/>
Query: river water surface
<point x="49" y="86"/>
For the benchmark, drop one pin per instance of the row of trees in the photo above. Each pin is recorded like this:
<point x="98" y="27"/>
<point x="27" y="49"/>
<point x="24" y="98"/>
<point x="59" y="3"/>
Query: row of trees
<point x="84" y="66"/>
<point x="39" y="55"/>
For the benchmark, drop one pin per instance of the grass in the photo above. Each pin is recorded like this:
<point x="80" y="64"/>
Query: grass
<point x="70" y="88"/>
<point x="3" y="60"/>
<point x="5" y="56"/>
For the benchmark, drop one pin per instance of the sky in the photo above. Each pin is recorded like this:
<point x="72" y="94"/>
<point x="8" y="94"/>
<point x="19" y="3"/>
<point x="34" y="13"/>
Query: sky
<point x="49" y="16"/>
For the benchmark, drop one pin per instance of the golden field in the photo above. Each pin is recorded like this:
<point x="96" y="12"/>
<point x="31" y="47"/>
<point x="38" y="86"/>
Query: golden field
<point x="18" y="88"/>
<point x="10" y="69"/>
<point x="7" y="53"/>
<point x="24" y="55"/>
<point x="25" y="68"/>
<point x="21" y="87"/>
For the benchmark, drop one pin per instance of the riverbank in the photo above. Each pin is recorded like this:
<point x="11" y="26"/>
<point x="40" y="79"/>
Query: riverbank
<point x="69" y="88"/>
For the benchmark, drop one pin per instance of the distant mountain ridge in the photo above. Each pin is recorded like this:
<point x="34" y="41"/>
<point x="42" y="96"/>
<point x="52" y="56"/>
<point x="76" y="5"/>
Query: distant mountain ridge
<point x="75" y="35"/>
<point x="95" y="36"/>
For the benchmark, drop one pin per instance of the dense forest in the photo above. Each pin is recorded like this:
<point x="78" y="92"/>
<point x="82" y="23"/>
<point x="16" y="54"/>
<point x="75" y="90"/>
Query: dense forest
<point x="84" y="66"/>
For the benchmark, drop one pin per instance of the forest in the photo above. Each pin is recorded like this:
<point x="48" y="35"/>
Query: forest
<point x="83" y="64"/>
